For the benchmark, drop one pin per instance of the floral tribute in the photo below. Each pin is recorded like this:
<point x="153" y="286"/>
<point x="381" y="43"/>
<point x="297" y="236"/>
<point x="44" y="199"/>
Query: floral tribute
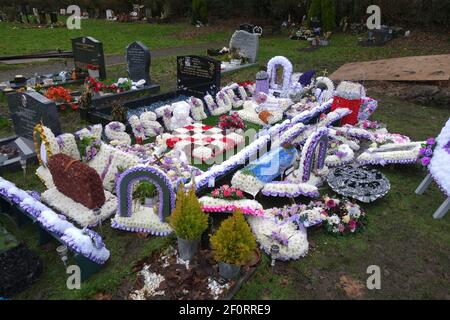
<point x="340" y="217"/>
<point x="232" y="121"/>
<point x="77" y="181"/>
<point x="89" y="148"/>
<point x="426" y="152"/>
<point x="228" y="193"/>
<point x="61" y="96"/>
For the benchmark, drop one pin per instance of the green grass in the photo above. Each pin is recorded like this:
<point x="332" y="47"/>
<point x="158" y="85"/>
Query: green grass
<point x="20" y="39"/>
<point x="402" y="238"/>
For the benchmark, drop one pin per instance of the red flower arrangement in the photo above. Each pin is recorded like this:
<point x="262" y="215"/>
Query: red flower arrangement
<point x="228" y="193"/>
<point x="62" y="96"/>
<point x="232" y="121"/>
<point x="246" y="83"/>
<point x="96" y="86"/>
<point x="92" y="67"/>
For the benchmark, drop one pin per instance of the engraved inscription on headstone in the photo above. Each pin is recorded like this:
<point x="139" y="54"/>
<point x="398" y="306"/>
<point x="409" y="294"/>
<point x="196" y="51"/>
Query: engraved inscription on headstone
<point x="87" y="50"/>
<point x="138" y="61"/>
<point x="247" y="43"/>
<point x="30" y="108"/>
<point x="198" y="74"/>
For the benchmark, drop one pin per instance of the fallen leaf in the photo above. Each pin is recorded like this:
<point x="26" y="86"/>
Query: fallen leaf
<point x="353" y="288"/>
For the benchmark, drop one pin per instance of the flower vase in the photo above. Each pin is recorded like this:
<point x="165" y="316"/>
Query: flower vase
<point x="229" y="271"/>
<point x="187" y="248"/>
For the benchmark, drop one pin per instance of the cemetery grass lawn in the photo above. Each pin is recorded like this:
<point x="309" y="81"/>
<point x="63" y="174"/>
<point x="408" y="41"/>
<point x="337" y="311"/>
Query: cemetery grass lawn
<point x="20" y="39"/>
<point x="411" y="248"/>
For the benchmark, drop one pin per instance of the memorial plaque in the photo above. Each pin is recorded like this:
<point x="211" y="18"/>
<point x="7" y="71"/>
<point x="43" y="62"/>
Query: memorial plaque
<point x="247" y="43"/>
<point x="138" y="61"/>
<point x="198" y="74"/>
<point x="30" y="108"/>
<point x="87" y="50"/>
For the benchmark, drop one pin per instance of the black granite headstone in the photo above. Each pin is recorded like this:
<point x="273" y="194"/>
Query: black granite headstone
<point x="138" y="61"/>
<point x="30" y="108"/>
<point x="198" y="74"/>
<point x="87" y="50"/>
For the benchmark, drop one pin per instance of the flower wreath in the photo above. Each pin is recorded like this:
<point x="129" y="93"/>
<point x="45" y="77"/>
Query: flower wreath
<point x="115" y="132"/>
<point x="224" y="104"/>
<point x="210" y="103"/>
<point x="44" y="135"/>
<point x="328" y="92"/>
<point x="235" y="100"/>
<point x="197" y="109"/>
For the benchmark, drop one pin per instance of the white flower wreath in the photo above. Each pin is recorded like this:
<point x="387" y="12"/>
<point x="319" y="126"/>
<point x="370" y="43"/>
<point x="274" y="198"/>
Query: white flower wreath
<point x="115" y="132"/>
<point x="197" y="108"/>
<point x="327" y="93"/>
<point x="297" y="241"/>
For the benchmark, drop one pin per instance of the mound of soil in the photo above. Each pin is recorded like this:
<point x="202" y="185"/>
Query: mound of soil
<point x="19" y="268"/>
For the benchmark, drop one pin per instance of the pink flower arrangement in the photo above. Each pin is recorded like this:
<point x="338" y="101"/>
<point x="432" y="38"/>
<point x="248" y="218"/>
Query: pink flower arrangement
<point x="228" y="193"/>
<point x="261" y="98"/>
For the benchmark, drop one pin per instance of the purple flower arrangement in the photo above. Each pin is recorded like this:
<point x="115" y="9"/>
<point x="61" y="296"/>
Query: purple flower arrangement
<point x="280" y="238"/>
<point x="426" y="152"/>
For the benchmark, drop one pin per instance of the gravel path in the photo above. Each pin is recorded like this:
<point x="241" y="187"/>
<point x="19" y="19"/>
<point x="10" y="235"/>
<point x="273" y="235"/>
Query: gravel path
<point x="58" y="65"/>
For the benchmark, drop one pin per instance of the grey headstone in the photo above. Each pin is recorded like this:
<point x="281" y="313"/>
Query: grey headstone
<point x="30" y="108"/>
<point x="138" y="61"/>
<point x="87" y="50"/>
<point x="246" y="42"/>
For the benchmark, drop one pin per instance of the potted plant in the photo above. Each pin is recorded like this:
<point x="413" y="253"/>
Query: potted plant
<point x="145" y="193"/>
<point x="188" y="221"/>
<point x="233" y="245"/>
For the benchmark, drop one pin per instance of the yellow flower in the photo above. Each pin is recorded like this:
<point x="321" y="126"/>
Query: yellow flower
<point x="346" y="219"/>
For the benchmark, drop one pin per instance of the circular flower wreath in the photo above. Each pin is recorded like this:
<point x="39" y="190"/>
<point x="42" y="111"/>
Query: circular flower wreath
<point x="227" y="193"/>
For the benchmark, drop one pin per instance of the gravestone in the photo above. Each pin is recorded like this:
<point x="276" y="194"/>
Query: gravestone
<point x="109" y="14"/>
<point x="53" y="17"/>
<point x="198" y="74"/>
<point x="247" y="43"/>
<point x="138" y="61"/>
<point x="30" y="108"/>
<point x="87" y="50"/>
